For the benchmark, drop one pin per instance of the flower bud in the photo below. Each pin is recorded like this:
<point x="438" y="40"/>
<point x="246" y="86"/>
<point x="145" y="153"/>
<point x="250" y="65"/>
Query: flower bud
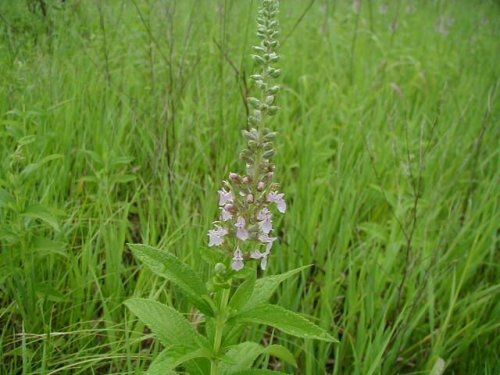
<point x="230" y="208"/>
<point x="272" y="110"/>
<point x="275" y="73"/>
<point x="268" y="146"/>
<point x="270" y="136"/>
<point x="256" y="77"/>
<point x="234" y="177"/>
<point x="273" y="90"/>
<point x="268" y="154"/>
<point x="249" y="198"/>
<point x="252" y="144"/>
<point x="259" y="59"/>
<point x="254" y="102"/>
<point x="247" y="179"/>
<point x="220" y="269"/>
<point x="250" y="135"/>
<point x="261" y="186"/>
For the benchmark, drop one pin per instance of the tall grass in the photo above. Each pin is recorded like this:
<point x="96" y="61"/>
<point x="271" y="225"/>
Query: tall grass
<point x="117" y="122"/>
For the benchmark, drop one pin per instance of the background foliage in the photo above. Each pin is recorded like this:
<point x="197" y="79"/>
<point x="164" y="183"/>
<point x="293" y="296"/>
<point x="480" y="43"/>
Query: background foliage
<point x="118" y="119"/>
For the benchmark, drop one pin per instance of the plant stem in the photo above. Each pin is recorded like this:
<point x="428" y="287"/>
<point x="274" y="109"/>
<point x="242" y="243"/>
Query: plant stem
<point x="219" y="329"/>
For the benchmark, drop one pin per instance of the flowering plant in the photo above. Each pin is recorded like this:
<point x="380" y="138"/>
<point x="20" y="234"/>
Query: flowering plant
<point x="233" y="297"/>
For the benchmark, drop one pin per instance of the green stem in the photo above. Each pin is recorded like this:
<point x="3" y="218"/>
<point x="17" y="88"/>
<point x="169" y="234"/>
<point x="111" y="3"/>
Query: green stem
<point x="219" y="329"/>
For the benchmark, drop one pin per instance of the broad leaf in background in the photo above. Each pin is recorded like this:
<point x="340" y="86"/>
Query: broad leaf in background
<point x="284" y="320"/>
<point x="171" y="268"/>
<point x="37" y="211"/>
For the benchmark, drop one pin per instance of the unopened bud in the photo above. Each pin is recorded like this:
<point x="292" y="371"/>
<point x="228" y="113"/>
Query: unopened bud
<point x="269" y="99"/>
<point x="252" y="144"/>
<point x="270" y="136"/>
<point x="261" y="186"/>
<point x="268" y="146"/>
<point x="246" y="156"/>
<point x="220" y="269"/>
<point x="275" y="73"/>
<point x="254" y="102"/>
<point x="272" y="110"/>
<point x="246" y="180"/>
<point x="250" y="135"/>
<point x="234" y="177"/>
<point x="230" y="208"/>
<point x="268" y="154"/>
<point x="249" y="198"/>
<point x="273" y="90"/>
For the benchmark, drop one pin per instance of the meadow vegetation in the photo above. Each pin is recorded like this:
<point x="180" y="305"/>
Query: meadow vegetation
<point x="119" y="119"/>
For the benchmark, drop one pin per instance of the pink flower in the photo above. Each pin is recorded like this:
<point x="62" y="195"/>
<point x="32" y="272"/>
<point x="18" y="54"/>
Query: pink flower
<point x="237" y="263"/>
<point x="268" y="241"/>
<point x="275" y="197"/>
<point x="241" y="231"/>
<point x="264" y="214"/>
<point x="225" y="213"/>
<point x="265" y="220"/>
<point x="262" y="256"/>
<point x="225" y="197"/>
<point x="216" y="236"/>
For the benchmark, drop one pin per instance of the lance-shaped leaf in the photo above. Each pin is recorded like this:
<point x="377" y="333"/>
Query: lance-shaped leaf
<point x="242" y="295"/>
<point x="172" y="357"/>
<point x="241" y="357"/>
<point x="284" y="320"/>
<point x="171" y="268"/>
<point x="40" y="212"/>
<point x="265" y="287"/>
<point x="257" y="372"/>
<point x="167" y="324"/>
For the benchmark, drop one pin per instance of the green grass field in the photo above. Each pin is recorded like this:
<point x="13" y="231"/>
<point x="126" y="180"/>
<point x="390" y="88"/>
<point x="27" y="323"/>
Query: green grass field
<point x="120" y="118"/>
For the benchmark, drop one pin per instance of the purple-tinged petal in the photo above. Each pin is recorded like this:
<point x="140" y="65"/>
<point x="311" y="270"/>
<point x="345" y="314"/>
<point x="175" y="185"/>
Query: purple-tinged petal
<point x="237" y="263"/>
<point x="225" y="197"/>
<point x="216" y="236"/>
<point x="266" y="226"/>
<point x="241" y="231"/>
<point x="278" y="199"/>
<point x="225" y="214"/>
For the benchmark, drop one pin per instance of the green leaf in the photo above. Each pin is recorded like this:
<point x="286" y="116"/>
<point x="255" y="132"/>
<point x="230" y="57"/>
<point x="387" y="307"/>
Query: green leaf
<point x="284" y="320"/>
<point x="282" y="353"/>
<point x="171" y="268"/>
<point x="5" y="198"/>
<point x="44" y="246"/>
<point x="257" y="372"/>
<point x="162" y="364"/>
<point x="242" y="295"/>
<point x="265" y="287"/>
<point x="167" y="324"/>
<point x="30" y="168"/>
<point x="241" y="357"/>
<point x="123" y="178"/>
<point x="198" y="353"/>
<point x="40" y="212"/>
<point x="172" y="357"/>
